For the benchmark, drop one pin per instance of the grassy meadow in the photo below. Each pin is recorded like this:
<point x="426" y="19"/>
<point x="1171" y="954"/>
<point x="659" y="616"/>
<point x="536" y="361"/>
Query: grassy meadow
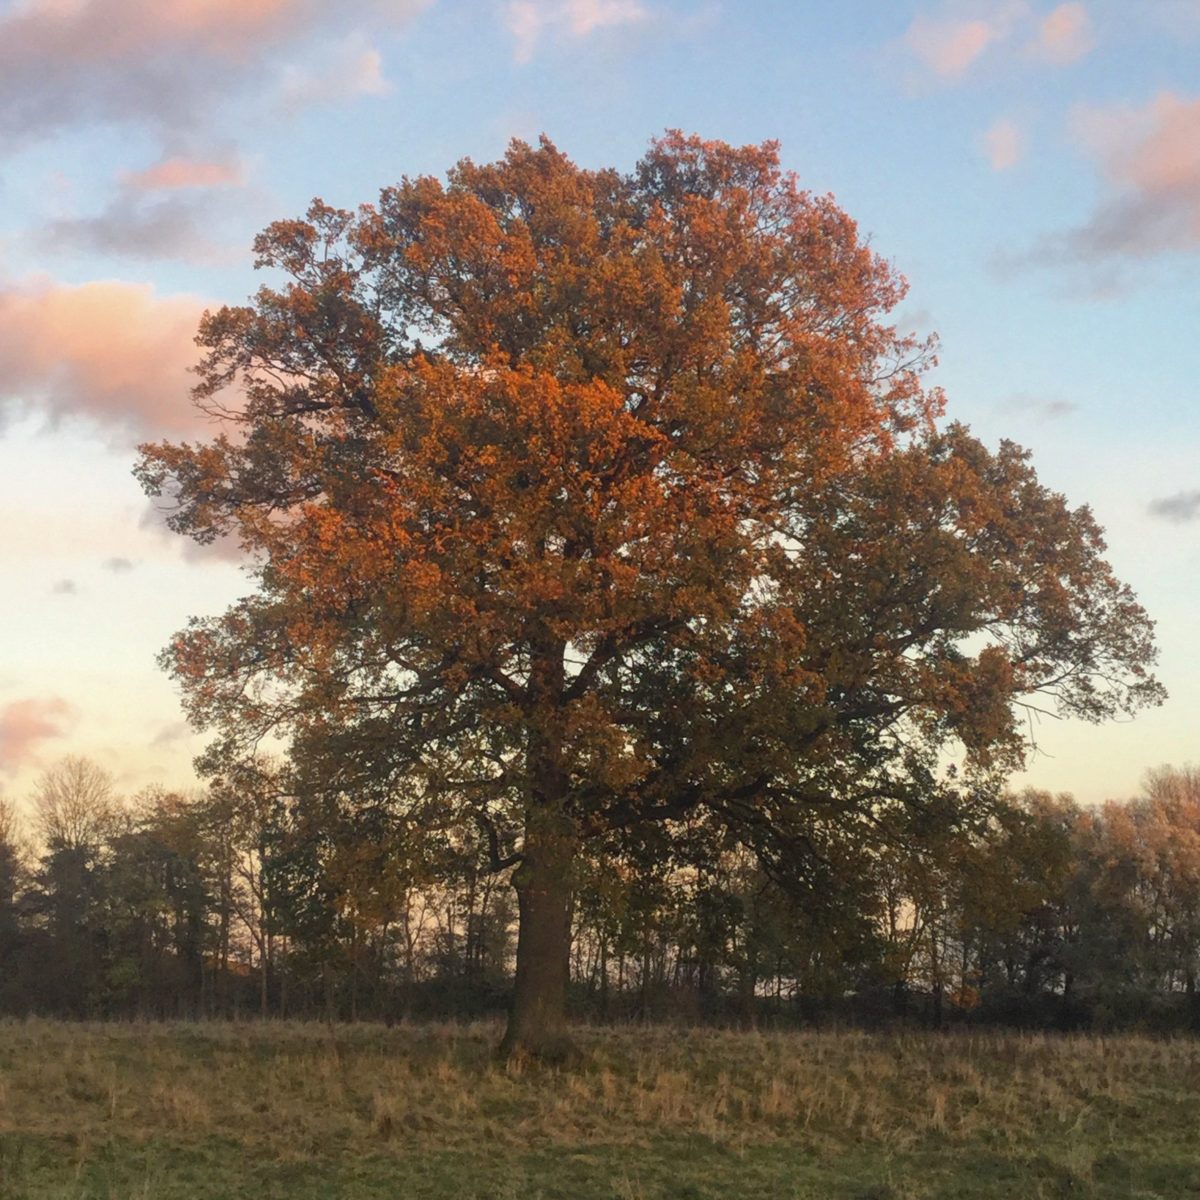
<point x="163" y="1112"/>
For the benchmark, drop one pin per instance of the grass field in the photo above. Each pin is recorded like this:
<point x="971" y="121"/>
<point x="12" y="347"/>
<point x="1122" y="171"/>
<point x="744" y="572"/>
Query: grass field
<point x="292" y="1111"/>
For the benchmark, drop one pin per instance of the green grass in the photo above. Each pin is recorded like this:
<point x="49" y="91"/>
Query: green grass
<point x="292" y="1111"/>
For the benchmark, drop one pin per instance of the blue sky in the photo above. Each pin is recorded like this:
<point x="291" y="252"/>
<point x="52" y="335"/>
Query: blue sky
<point x="1032" y="167"/>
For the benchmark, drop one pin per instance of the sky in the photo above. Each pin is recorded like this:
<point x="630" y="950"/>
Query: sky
<point x="1032" y="168"/>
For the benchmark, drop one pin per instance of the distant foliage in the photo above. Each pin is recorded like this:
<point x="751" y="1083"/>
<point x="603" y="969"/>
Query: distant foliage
<point x="224" y="902"/>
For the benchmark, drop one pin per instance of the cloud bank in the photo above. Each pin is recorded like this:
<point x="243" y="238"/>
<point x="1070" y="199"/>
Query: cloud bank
<point x="163" y="62"/>
<point x="149" y="227"/>
<point x="165" y="211"/>
<point x="113" y="351"/>
<point x="1150" y="160"/>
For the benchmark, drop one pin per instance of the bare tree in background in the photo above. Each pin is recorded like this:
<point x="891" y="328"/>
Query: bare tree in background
<point x="74" y="804"/>
<point x="8" y="821"/>
<point x="12" y="855"/>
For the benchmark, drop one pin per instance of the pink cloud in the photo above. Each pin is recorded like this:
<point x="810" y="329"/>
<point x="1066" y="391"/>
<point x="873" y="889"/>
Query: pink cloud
<point x="113" y="351"/>
<point x="1151" y="159"/>
<point x="24" y="723"/>
<point x="586" y="16"/>
<point x="1148" y="159"/>
<point x="1158" y="151"/>
<point x="948" y="47"/>
<point x="529" y="21"/>
<point x="180" y="172"/>
<point x="1003" y="144"/>
<point x="1064" y="35"/>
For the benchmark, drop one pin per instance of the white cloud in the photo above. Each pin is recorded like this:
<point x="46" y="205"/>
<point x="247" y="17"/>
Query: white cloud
<point x="169" y="210"/>
<point x="353" y="69"/>
<point x="530" y="22"/>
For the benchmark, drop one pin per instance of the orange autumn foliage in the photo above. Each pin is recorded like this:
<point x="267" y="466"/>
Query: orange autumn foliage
<point x="580" y="500"/>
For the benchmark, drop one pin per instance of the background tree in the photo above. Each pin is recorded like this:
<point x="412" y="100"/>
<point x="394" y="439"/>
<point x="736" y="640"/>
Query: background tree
<point x="1136" y="892"/>
<point x="74" y="804"/>
<point x="1173" y="819"/>
<point x="157" y="907"/>
<point x="582" y="501"/>
<point x="12" y="882"/>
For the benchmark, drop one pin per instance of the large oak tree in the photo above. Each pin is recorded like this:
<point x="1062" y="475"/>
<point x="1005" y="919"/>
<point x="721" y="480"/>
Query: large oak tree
<point x="581" y="501"/>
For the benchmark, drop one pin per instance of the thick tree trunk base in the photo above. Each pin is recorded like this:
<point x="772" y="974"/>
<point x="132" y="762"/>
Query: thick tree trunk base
<point x="551" y="1050"/>
<point x="537" y="1023"/>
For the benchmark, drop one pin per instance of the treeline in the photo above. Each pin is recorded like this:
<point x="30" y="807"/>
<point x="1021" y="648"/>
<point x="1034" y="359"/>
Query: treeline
<point x="240" y="900"/>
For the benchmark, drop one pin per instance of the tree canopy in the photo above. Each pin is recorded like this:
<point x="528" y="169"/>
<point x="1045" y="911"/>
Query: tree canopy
<point x="580" y="502"/>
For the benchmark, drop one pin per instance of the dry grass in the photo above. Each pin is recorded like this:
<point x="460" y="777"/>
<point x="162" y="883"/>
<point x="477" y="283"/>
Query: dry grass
<point x="226" y="1110"/>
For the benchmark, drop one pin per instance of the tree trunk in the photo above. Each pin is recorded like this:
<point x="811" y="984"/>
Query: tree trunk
<point x="604" y="978"/>
<point x="747" y="987"/>
<point x="283" y="978"/>
<point x="263" y="994"/>
<point x="644" y="1001"/>
<point x="222" y="989"/>
<point x="537" y="1022"/>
